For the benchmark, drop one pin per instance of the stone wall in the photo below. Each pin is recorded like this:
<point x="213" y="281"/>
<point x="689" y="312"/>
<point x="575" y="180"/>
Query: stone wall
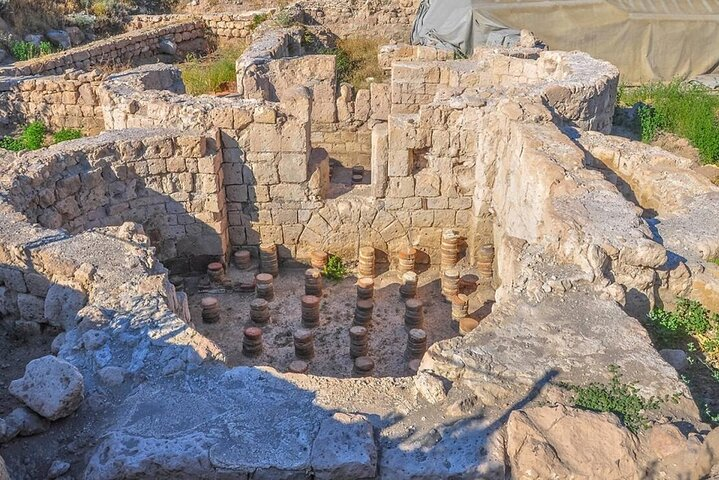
<point x="223" y="26"/>
<point x="64" y="101"/>
<point x="115" y="51"/>
<point x="168" y="182"/>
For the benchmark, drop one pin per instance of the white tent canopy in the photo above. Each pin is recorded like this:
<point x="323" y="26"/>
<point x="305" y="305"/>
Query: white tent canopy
<point x="647" y="39"/>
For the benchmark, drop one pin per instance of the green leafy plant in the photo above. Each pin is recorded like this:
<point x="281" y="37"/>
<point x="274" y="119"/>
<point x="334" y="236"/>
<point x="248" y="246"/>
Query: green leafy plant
<point x="257" y="20"/>
<point x="687" y="110"/>
<point x="46" y="48"/>
<point x="649" y="122"/>
<point x="619" y="398"/>
<point x="66" y="134"/>
<point x="31" y="138"/>
<point x="23" y="50"/>
<point x="335" y="269"/>
<point x="689" y="319"/>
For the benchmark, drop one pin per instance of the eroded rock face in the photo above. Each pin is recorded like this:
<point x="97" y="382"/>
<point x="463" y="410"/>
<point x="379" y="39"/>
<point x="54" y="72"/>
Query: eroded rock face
<point x="559" y="442"/>
<point x="344" y="449"/>
<point x="123" y="456"/>
<point x="51" y="387"/>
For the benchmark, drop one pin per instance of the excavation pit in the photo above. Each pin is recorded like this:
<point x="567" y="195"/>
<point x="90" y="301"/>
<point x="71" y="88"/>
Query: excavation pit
<point x="387" y="333"/>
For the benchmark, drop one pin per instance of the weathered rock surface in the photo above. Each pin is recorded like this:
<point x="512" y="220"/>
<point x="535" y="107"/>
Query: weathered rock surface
<point x="344" y="449"/>
<point x="675" y="358"/>
<point x="24" y="422"/>
<point x="60" y="38"/>
<point x="51" y="387"/>
<point x="558" y="442"/>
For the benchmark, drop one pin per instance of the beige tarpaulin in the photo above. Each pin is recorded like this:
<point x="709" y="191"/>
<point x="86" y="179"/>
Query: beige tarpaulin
<point x="646" y="39"/>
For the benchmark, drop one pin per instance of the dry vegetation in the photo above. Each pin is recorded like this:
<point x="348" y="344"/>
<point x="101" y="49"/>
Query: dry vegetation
<point x="357" y="62"/>
<point x="214" y="73"/>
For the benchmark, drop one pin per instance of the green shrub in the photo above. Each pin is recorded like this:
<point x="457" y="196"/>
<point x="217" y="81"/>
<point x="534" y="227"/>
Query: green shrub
<point x="619" y="398"/>
<point x="23" y="50"/>
<point x="283" y="18"/>
<point x="213" y="73"/>
<point x="66" y="134"/>
<point x="687" y="110"/>
<point x="12" y="144"/>
<point x="257" y="20"/>
<point x="335" y="268"/>
<point x="31" y="138"/>
<point x="46" y="48"/>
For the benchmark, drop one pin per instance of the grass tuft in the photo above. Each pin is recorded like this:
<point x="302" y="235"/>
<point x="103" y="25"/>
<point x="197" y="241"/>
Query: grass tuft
<point x="357" y="61"/>
<point x="214" y="73"/>
<point x="687" y="110"/>
<point x="619" y="398"/>
<point x="66" y="134"/>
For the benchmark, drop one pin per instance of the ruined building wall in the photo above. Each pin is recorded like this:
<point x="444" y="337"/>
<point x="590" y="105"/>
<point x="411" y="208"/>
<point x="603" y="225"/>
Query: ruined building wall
<point x="223" y="27"/>
<point x="63" y="101"/>
<point x="169" y="183"/>
<point x="119" y="50"/>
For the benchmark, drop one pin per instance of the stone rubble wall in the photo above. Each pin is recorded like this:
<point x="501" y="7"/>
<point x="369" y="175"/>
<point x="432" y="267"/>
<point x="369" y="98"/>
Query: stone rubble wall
<point x="223" y="26"/>
<point x="115" y="51"/>
<point x="63" y="101"/>
<point x="168" y="182"/>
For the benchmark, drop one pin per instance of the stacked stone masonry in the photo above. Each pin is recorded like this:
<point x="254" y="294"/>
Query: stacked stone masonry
<point x="504" y="148"/>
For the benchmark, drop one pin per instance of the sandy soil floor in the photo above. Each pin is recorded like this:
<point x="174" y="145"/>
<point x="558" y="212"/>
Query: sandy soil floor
<point x="388" y="335"/>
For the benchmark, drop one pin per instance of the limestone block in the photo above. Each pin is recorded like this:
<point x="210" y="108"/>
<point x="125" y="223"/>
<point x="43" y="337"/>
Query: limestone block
<point x="379" y="101"/>
<point x="37" y="284"/>
<point x="31" y="308"/>
<point x="427" y="184"/>
<point x="62" y="304"/>
<point x="551" y="441"/>
<point x="13" y="279"/>
<point x="400" y="187"/>
<point x="51" y="387"/>
<point x="344" y="449"/>
<point x="293" y="167"/>
<point x="362" y="105"/>
<point x="379" y="159"/>
<point x="288" y="192"/>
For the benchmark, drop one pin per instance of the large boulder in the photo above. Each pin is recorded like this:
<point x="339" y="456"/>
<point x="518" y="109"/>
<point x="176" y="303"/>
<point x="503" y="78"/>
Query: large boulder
<point x="344" y="449"/>
<point x="60" y="38"/>
<point x="560" y="442"/>
<point x="51" y="387"/>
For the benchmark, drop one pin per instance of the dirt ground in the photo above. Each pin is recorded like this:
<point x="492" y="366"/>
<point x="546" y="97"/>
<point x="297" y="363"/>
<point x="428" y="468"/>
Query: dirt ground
<point x="14" y="355"/>
<point x="388" y="335"/>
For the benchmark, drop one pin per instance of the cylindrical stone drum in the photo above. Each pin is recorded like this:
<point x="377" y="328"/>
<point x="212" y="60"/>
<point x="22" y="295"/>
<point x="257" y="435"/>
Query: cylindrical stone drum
<point x="450" y="283"/>
<point x="485" y="262"/>
<point x="449" y="249"/>
<point x="264" y="287"/>
<point x="366" y="264"/>
<point x="363" y="312"/>
<point x="299" y="366"/>
<point x="467" y="324"/>
<point x="216" y="272"/>
<point x="363" y="367"/>
<point x="407" y="257"/>
<point x="313" y="282"/>
<point x="243" y="259"/>
<point x="269" y="262"/>
<point x="358" y="341"/>
<point x="414" y="313"/>
<point x="468" y="283"/>
<point x="365" y="288"/>
<point x="304" y="344"/>
<point x="460" y="307"/>
<point x="416" y="343"/>
<point x="408" y="288"/>
<point x="259" y="311"/>
<point x="252" y="342"/>
<point x="310" y="311"/>
<point x="319" y="259"/>
<point x="210" y="309"/>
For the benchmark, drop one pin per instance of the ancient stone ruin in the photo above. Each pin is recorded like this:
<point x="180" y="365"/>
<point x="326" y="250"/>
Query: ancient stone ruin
<point x="504" y="246"/>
